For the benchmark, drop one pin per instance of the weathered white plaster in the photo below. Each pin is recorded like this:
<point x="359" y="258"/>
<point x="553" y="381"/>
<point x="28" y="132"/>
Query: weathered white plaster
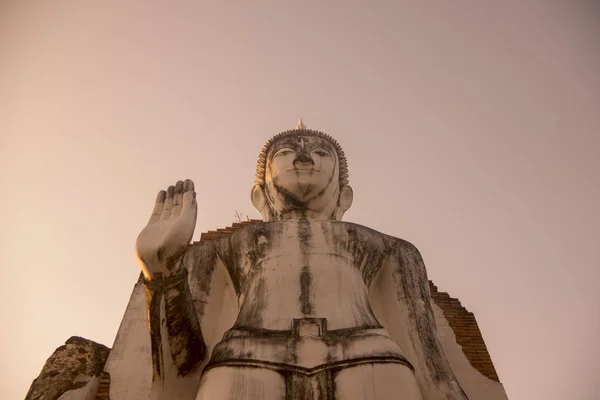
<point x="289" y="299"/>
<point x="130" y="361"/>
<point x="88" y="392"/>
<point x="476" y="385"/>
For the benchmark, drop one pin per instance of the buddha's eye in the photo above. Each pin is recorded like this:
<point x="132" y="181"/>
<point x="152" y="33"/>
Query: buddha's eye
<point x="284" y="151"/>
<point x="322" y="153"/>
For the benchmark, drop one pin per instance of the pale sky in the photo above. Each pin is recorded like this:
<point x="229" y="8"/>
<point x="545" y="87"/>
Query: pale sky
<point x="472" y="130"/>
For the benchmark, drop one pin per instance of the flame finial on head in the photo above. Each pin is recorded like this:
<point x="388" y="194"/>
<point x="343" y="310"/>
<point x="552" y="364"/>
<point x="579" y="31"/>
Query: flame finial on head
<point x="300" y="125"/>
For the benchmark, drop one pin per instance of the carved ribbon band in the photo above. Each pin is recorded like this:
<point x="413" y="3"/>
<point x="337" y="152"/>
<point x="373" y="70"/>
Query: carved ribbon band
<point x="308" y="349"/>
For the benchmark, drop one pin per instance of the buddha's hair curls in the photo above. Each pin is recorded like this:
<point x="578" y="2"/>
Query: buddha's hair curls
<point x="262" y="158"/>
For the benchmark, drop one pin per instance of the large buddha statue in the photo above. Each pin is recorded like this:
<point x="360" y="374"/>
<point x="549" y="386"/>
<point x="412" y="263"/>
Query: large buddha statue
<point x="300" y="306"/>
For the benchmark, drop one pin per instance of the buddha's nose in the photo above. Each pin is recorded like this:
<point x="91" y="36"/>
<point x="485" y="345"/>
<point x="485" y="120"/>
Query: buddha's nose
<point x="304" y="157"/>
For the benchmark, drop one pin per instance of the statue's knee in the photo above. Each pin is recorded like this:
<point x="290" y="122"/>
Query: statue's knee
<point x="241" y="383"/>
<point x="381" y="381"/>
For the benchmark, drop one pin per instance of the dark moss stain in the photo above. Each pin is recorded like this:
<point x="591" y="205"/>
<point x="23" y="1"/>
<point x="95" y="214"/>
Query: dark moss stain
<point x="306" y="278"/>
<point x="369" y="249"/>
<point x="243" y="250"/>
<point x="160" y="253"/>
<point x="153" y="310"/>
<point x="183" y="328"/>
<point x="223" y="353"/>
<point x="255" y="301"/>
<point x="260" y="242"/>
<point x="304" y="234"/>
<point x="292" y="202"/>
<point x="306" y="305"/>
<point x="200" y="260"/>
<point x="413" y="287"/>
<point x="187" y="344"/>
<point x="318" y="386"/>
<point x="327" y="232"/>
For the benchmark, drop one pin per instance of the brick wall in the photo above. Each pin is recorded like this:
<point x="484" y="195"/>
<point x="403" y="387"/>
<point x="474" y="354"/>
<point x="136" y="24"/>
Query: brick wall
<point x="210" y="235"/>
<point x="103" y="387"/>
<point x="467" y="332"/>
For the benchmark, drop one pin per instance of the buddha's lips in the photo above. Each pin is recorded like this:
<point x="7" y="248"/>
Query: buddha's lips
<point x="303" y="170"/>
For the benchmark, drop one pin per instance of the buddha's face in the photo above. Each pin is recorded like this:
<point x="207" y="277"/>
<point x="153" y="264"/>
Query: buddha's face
<point x="302" y="168"/>
<point x="302" y="180"/>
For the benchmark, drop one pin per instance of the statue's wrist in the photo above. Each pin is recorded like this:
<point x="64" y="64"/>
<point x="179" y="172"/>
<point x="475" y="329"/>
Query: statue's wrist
<point x="157" y="270"/>
<point x="161" y="282"/>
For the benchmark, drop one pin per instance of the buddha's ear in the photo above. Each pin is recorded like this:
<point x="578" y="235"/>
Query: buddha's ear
<point x="344" y="202"/>
<point x="346" y="197"/>
<point x="259" y="200"/>
<point x="258" y="197"/>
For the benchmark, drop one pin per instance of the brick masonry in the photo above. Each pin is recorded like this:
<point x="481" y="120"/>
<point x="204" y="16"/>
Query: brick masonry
<point x="467" y="332"/>
<point x="103" y="387"/>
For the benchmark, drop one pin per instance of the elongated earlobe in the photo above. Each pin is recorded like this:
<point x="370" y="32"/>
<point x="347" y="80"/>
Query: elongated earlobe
<point x="345" y="201"/>
<point x="346" y="197"/>
<point x="258" y="198"/>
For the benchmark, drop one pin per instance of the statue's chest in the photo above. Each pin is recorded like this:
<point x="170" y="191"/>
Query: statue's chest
<point x="299" y="247"/>
<point x="303" y="269"/>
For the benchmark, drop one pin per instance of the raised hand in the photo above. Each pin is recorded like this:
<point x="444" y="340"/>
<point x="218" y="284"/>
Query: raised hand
<point x="161" y="244"/>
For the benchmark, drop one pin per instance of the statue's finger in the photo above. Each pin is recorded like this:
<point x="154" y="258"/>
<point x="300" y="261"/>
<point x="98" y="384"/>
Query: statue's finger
<point x="188" y="184"/>
<point x="166" y="213"/>
<point x="177" y="199"/>
<point x="189" y="209"/>
<point x="158" y="206"/>
<point x="189" y="195"/>
<point x="189" y="199"/>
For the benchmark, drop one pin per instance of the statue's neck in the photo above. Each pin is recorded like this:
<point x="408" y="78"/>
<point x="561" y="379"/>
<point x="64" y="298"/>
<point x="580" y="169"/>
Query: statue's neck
<point x="304" y="214"/>
<point x="279" y="207"/>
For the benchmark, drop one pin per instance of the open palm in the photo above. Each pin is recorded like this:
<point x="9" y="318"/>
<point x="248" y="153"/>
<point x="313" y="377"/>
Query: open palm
<point x="161" y="244"/>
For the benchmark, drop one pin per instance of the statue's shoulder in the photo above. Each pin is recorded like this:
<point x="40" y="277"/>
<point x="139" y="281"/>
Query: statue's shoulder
<point x="366" y="232"/>
<point x="266" y="231"/>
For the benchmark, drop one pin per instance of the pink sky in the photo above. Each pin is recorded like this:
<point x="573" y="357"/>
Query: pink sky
<point x="472" y="129"/>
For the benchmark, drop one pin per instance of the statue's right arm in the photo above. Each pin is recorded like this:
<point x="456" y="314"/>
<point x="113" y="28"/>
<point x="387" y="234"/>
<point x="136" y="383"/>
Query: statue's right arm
<point x="176" y="337"/>
<point x="402" y="302"/>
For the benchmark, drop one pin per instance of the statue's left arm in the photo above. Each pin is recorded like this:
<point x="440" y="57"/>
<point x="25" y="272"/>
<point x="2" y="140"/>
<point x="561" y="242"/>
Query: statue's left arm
<point x="401" y="299"/>
<point x="179" y="315"/>
<point x="171" y="316"/>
